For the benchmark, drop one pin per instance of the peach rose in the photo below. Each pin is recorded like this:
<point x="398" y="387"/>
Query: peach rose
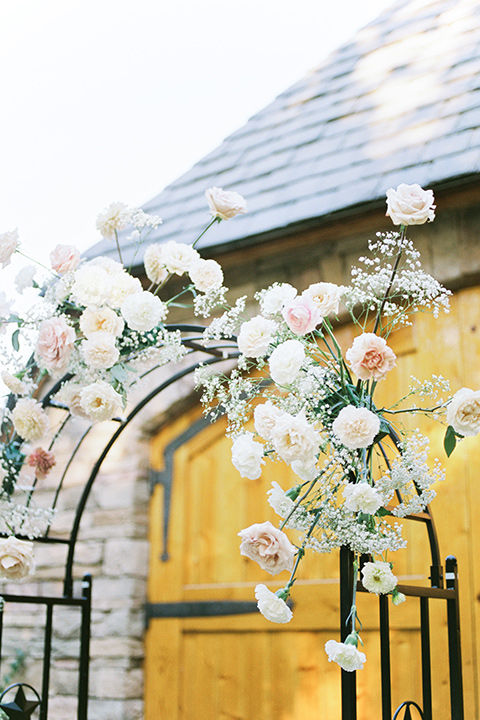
<point x="64" y="258"/>
<point x="370" y="357"/>
<point x="54" y="344"/>
<point x="301" y="315"/>
<point x="268" y="546"/>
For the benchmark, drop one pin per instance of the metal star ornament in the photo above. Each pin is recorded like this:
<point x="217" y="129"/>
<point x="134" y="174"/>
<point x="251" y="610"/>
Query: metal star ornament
<point x="20" y="708"/>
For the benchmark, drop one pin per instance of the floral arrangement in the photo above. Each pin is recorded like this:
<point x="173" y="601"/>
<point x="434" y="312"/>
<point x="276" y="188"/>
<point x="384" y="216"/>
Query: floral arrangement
<point x="358" y="471"/>
<point x="94" y="330"/>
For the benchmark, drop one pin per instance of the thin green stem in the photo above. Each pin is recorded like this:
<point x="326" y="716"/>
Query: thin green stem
<point x="118" y="247"/>
<point x="392" y="278"/>
<point x="214" y="220"/>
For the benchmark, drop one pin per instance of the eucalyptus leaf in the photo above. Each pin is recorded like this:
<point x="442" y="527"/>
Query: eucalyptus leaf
<point x="450" y="440"/>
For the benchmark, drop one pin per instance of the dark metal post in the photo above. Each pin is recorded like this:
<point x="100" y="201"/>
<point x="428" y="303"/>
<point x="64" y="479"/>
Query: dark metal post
<point x="385" y="658"/>
<point x="349" y="680"/>
<point x="426" y="658"/>
<point x="47" y="651"/>
<point x="454" y="646"/>
<point x="84" y="648"/>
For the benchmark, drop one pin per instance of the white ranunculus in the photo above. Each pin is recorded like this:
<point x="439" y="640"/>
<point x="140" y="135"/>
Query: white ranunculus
<point x="345" y="655"/>
<point x="463" y="412"/>
<point x="247" y="456"/>
<point x="362" y="497"/>
<point x="115" y="217"/>
<point x="143" y="311"/>
<point x="255" y="336"/>
<point x="295" y="439"/>
<point x="206" y="274"/>
<point x="9" y="242"/>
<point x="30" y="419"/>
<point x="99" y="401"/>
<point x="104" y="319"/>
<point x="410" y="205"/>
<point x="154" y="263"/>
<point x="276" y="297"/>
<point x="378" y="578"/>
<point x="100" y="351"/>
<point x="326" y="297"/>
<point x="225" y="204"/>
<point x="16" y="558"/>
<point x="264" y="417"/>
<point x="178" y="257"/>
<point x="268" y="546"/>
<point x="285" y="361"/>
<point x="356" y="427"/>
<point x="91" y="286"/>
<point x="122" y="286"/>
<point x="271" y="606"/>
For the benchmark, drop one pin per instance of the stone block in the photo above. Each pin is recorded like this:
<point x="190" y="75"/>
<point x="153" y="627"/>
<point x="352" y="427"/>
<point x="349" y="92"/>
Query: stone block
<point x="126" y="557"/>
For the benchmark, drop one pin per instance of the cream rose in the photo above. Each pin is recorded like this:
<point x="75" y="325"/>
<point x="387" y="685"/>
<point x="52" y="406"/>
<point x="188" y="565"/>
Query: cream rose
<point x="255" y="336"/>
<point x="178" y="257"/>
<point x="301" y="315"/>
<point x="206" y="274"/>
<point x="64" y="258"/>
<point x="247" y="456"/>
<point x="30" y="419"/>
<point x="285" y="361"/>
<point x="100" y="351"/>
<point x="16" y="558"/>
<point x="294" y="438"/>
<point x="362" y="497"/>
<point x="99" y="401"/>
<point x="104" y="319"/>
<point x="326" y="297"/>
<point x="463" y="412"/>
<point x="370" y="357"/>
<point x="70" y="395"/>
<point x="154" y="263"/>
<point x="377" y="577"/>
<point x="356" y="427"/>
<point x="9" y="242"/>
<point x="271" y="606"/>
<point x="225" y="204"/>
<point x="54" y="344"/>
<point x="345" y="655"/>
<point x="410" y="205"/>
<point x="143" y="311"/>
<point x="268" y="546"/>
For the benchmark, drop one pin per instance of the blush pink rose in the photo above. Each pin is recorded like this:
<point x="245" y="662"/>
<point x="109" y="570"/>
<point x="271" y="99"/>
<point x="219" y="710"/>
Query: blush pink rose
<point x="301" y="315"/>
<point x="64" y="258"/>
<point x="370" y="357"/>
<point x="268" y="546"/>
<point x="54" y="344"/>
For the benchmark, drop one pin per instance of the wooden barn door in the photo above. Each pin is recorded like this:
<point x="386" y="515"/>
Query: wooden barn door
<point x="210" y="654"/>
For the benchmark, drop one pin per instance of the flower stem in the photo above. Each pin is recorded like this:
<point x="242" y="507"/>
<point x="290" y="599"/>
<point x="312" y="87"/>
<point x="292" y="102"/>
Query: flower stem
<point x="392" y="278"/>
<point x="118" y="247"/>
<point x="215" y="219"/>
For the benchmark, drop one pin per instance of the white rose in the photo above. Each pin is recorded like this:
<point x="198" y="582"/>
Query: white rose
<point x="326" y="297"/>
<point x="271" y="606"/>
<point x="255" y="336"/>
<point x="265" y="417"/>
<point x="410" y="205"/>
<point x="99" y="401"/>
<point x="285" y="361"/>
<point x="268" y="546"/>
<point x="104" y="319"/>
<point x="154" y="263"/>
<point x="30" y="419"/>
<point x="345" y="655"/>
<point x="100" y="351"/>
<point x="206" y="274"/>
<point x="122" y="286"/>
<point x="178" y="257"/>
<point x="463" y="412"/>
<point x="378" y="578"/>
<point x="247" y="456"/>
<point x="16" y="558"/>
<point x="294" y="438"/>
<point x="276" y="297"/>
<point x="225" y="204"/>
<point x="115" y="217"/>
<point x="24" y="278"/>
<point x="9" y="242"/>
<point x="356" y="427"/>
<point x="143" y="311"/>
<point x="91" y="285"/>
<point x="362" y="497"/>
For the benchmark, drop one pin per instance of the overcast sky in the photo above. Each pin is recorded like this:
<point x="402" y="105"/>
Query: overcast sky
<point x="106" y="100"/>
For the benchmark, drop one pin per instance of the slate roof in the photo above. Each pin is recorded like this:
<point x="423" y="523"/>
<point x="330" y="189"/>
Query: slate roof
<point x="399" y="103"/>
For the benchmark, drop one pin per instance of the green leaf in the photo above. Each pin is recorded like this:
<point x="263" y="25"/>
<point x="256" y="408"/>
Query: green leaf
<point x="118" y="372"/>
<point x="381" y="512"/>
<point x="450" y="440"/>
<point x="15" y="341"/>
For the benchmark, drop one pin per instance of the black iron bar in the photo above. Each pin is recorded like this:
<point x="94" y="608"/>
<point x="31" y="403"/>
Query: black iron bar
<point x="454" y="645"/>
<point x="385" y="671"/>
<point x="47" y="651"/>
<point x="426" y="658"/>
<point x="2" y="607"/>
<point x="82" y="708"/>
<point x="349" y="680"/>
